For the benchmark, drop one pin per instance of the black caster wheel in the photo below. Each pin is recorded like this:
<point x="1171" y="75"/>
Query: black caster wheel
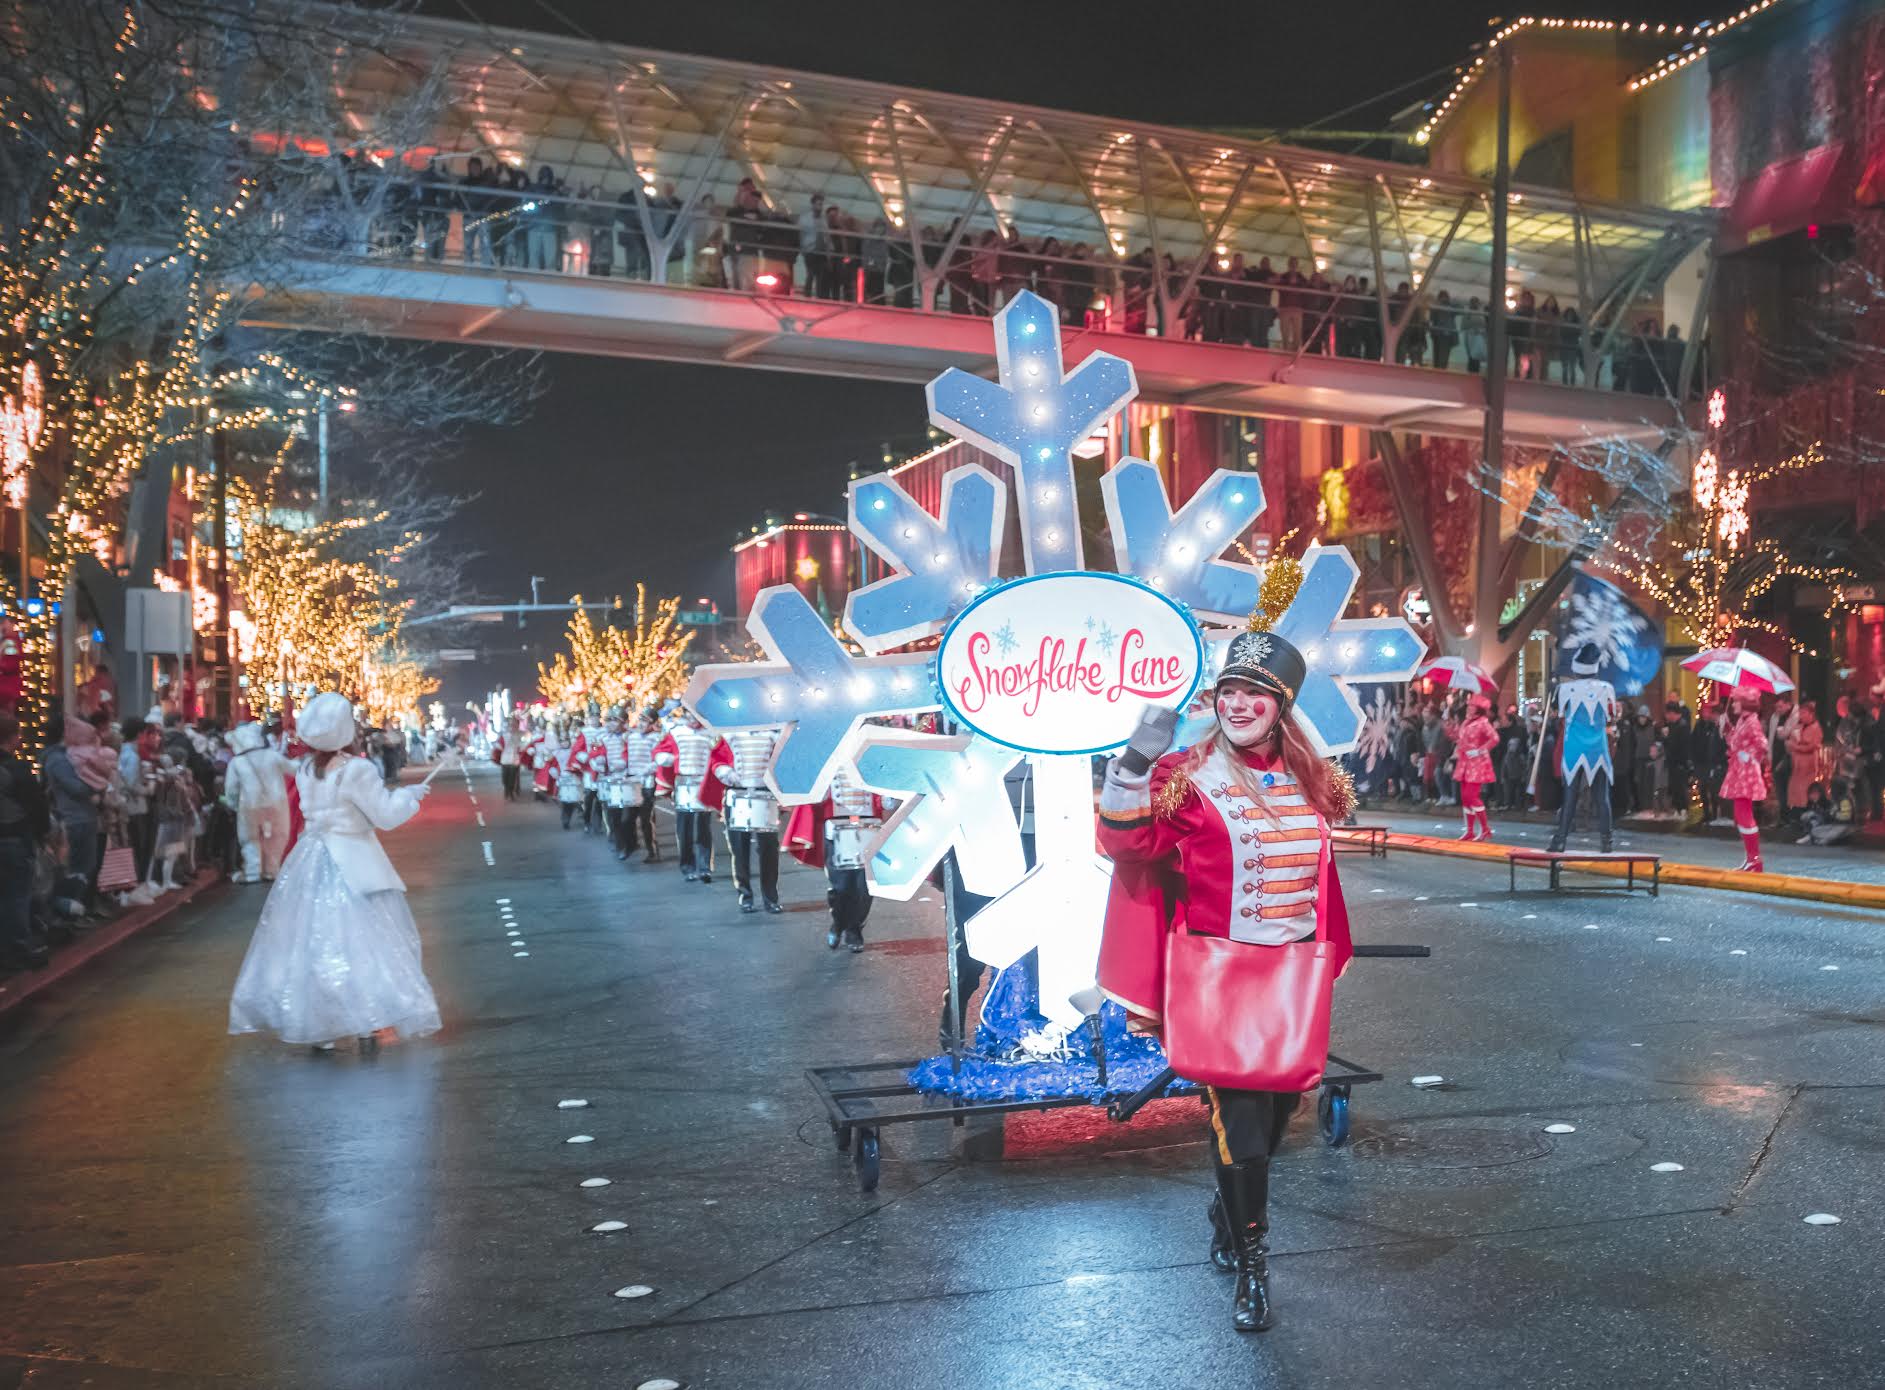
<point x="842" y="1138"/>
<point x="1332" y="1115"/>
<point x="865" y="1159"/>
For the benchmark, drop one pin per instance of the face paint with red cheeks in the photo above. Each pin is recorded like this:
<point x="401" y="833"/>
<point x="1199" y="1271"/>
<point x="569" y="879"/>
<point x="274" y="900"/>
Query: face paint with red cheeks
<point x="1246" y="713"/>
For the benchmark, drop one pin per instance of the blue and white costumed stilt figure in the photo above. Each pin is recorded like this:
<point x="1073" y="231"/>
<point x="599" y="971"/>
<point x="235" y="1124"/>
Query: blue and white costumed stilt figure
<point x="1586" y="704"/>
<point x="1053" y="665"/>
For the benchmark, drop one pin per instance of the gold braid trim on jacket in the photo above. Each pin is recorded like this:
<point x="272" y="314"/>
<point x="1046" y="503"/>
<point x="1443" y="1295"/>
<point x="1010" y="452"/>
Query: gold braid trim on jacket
<point x="1172" y="795"/>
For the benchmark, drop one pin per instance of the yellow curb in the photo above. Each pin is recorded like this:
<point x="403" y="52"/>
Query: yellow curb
<point x="1825" y="890"/>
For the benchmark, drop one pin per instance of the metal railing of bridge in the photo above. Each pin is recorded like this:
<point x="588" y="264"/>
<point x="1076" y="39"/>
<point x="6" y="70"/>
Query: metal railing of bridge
<point x="718" y="174"/>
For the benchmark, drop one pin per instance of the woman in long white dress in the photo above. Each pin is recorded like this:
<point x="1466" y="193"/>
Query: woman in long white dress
<point x="336" y="953"/>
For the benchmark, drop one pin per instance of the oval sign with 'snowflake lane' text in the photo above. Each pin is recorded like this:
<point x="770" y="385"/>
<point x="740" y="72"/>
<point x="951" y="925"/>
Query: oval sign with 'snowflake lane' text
<point x="1065" y="663"/>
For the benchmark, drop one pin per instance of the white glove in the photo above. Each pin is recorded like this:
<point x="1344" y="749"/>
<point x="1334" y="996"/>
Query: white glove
<point x="1149" y="741"/>
<point x="725" y="774"/>
<point x="420" y="790"/>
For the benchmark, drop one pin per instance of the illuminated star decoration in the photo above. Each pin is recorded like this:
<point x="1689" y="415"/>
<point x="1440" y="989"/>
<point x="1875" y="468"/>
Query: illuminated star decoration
<point x="1031" y="418"/>
<point x="956" y="800"/>
<point x="1178" y="555"/>
<point x="940" y="565"/>
<point x="817" y="690"/>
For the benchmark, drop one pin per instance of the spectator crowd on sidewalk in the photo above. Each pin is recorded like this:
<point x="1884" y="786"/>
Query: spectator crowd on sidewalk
<point x="117" y="814"/>
<point x="1828" y="775"/>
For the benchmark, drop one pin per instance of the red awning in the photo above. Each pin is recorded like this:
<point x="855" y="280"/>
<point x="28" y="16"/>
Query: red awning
<point x="1785" y="197"/>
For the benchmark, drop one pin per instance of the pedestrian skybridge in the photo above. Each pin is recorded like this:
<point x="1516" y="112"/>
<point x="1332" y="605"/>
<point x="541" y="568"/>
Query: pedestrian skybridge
<point x="676" y="227"/>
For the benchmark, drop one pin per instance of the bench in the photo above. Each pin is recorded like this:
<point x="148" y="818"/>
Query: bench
<point x="1371" y="840"/>
<point x="1555" y="862"/>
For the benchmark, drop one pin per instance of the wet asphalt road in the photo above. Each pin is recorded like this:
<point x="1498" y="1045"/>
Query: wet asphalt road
<point x="178" y="1208"/>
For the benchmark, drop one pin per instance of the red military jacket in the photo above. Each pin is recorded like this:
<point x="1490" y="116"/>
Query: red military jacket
<point x="1190" y="855"/>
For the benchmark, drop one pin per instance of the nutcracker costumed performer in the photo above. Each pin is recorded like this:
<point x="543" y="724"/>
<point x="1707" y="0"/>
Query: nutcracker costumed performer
<point x="568" y="761"/>
<point x="1473" y="770"/>
<point x="336" y="953"/>
<point x="832" y="834"/>
<point x="609" y="789"/>
<point x="1221" y="850"/>
<point x="638" y="768"/>
<point x="752" y="816"/>
<point x="590" y="755"/>
<point x="1748" y="775"/>
<point x="1586" y="705"/>
<point x="685" y="760"/>
<point x="256" y="786"/>
<point x="511" y="753"/>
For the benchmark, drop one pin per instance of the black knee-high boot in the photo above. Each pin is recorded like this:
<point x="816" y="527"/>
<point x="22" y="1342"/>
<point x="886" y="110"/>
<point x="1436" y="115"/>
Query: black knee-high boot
<point x="1244" y="1189"/>
<point x="1223" y="1245"/>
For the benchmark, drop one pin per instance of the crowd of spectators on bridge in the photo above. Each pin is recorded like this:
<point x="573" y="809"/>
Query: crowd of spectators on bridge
<point x="823" y="251"/>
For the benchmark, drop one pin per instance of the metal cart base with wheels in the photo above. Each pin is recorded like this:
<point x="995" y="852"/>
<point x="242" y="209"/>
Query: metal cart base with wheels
<point x="861" y="1099"/>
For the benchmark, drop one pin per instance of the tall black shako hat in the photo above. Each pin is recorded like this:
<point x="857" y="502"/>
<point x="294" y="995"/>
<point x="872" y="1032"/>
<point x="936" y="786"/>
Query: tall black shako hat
<point x="1586" y="660"/>
<point x="1263" y="657"/>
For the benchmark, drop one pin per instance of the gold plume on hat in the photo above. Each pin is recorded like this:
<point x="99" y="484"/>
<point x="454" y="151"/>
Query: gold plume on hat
<point x="1282" y="577"/>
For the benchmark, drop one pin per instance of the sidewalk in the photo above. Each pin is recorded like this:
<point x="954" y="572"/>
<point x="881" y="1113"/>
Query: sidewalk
<point x="17" y="989"/>
<point x="1833" y="874"/>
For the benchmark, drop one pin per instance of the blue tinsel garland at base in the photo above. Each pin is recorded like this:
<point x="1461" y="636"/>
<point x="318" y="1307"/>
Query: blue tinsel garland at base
<point x="1132" y="1060"/>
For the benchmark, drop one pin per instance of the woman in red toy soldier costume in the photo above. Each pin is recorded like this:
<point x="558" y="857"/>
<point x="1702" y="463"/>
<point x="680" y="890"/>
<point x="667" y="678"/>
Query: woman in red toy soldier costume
<point x="1473" y="770"/>
<point x="1221" y="868"/>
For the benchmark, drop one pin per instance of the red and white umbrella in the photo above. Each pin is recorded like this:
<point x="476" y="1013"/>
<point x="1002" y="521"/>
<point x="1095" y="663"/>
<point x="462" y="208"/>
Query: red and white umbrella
<point x="1740" y="668"/>
<point x="1457" y="673"/>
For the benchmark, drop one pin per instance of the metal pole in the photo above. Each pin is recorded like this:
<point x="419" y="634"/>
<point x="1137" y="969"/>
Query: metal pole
<point x="1486" y="602"/>
<point x="321" y="434"/>
<point x="225" y="675"/>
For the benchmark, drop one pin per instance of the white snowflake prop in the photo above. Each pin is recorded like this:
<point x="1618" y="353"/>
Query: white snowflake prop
<point x="1032" y="419"/>
<point x="1603" y="618"/>
<point x="952" y="788"/>
<point x="946" y="782"/>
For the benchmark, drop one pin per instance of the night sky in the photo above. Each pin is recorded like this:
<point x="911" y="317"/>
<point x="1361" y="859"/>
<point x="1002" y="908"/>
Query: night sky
<point x="647" y="471"/>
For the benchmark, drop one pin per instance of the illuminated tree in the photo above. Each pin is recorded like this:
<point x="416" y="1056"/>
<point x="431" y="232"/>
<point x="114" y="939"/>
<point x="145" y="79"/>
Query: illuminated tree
<point x="394" y="686"/>
<point x="654" y="651"/>
<point x="159" y="166"/>
<point x="315" y="616"/>
<point x="637" y="666"/>
<point x="590" y="671"/>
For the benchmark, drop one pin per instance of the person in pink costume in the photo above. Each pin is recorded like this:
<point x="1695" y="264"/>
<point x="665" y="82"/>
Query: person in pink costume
<point x="1748" y="774"/>
<point x="1473" y="767"/>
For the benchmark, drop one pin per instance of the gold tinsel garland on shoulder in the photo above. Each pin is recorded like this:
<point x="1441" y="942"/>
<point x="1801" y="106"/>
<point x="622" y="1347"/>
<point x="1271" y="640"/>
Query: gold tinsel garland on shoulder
<point x="1171" y="796"/>
<point x="1345" y="797"/>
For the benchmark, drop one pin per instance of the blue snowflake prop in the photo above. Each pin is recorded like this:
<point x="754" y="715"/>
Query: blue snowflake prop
<point x="1031" y="418"/>
<point x="1178" y="555"/>
<point x="1340" y="650"/>
<point x="940" y="565"/>
<point x="955" y="800"/>
<point x="818" y="691"/>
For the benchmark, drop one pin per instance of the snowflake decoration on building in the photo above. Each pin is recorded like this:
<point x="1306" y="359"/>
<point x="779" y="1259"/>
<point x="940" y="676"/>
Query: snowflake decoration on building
<point x="952" y="787"/>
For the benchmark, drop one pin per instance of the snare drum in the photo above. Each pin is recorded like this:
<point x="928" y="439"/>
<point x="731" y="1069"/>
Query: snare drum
<point x="849" y="840"/>
<point x="748" y="809"/>
<point x="687" y="796"/>
<point x="615" y="793"/>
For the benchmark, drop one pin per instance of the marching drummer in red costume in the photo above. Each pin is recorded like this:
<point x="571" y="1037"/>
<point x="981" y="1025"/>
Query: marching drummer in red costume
<point x="1473" y="770"/>
<point x="1227" y="839"/>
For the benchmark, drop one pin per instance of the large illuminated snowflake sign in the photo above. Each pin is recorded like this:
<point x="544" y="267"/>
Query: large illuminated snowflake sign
<point x="955" y="789"/>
